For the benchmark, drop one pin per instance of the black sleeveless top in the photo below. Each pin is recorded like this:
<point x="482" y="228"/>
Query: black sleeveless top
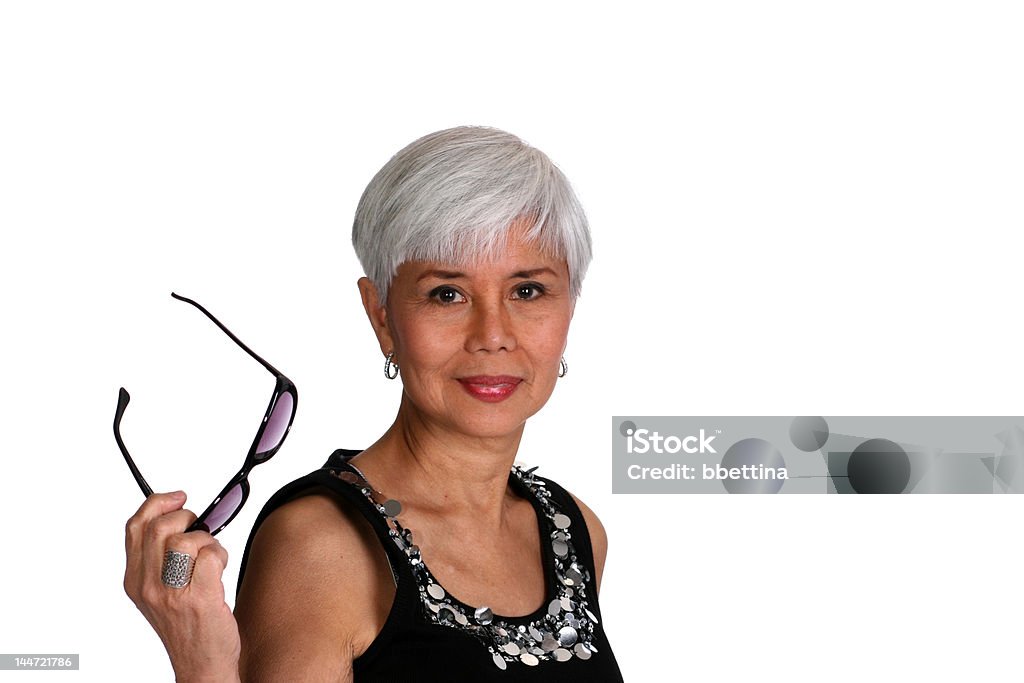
<point x="430" y="635"/>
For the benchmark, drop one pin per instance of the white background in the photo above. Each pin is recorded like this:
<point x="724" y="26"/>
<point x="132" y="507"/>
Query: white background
<point x="798" y="208"/>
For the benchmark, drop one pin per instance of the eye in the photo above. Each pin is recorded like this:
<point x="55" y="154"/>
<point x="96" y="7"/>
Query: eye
<point x="528" y="291"/>
<point x="446" y="295"/>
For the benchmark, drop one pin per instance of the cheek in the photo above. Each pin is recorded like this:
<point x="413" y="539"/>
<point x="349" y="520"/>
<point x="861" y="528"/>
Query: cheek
<point x="547" y="350"/>
<point x="552" y="349"/>
<point x="425" y="348"/>
<point x="554" y="338"/>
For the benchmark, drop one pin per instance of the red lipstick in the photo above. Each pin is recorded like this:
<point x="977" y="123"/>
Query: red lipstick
<point x="490" y="388"/>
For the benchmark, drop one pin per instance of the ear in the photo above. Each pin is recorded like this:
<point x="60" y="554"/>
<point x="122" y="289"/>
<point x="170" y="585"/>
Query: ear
<point x="377" y="313"/>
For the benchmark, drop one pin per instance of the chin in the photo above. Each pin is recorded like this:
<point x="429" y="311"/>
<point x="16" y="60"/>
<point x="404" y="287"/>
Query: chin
<point x="489" y="428"/>
<point x="484" y="420"/>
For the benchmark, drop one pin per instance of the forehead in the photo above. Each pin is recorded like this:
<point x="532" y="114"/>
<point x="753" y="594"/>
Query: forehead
<point x="515" y="255"/>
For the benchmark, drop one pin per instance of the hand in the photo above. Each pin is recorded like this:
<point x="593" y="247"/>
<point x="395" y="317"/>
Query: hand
<point x="194" y="622"/>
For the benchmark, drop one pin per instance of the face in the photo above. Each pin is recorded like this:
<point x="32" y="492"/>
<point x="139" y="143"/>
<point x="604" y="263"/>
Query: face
<point x="479" y="346"/>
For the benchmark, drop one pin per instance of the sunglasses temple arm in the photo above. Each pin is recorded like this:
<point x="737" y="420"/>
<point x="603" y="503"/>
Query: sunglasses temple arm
<point x="228" y="332"/>
<point x="122" y="403"/>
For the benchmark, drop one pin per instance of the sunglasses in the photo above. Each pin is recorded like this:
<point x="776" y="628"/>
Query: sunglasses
<point x="275" y="426"/>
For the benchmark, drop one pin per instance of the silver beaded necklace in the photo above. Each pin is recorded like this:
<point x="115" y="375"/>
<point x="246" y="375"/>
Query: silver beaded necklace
<point x="563" y="632"/>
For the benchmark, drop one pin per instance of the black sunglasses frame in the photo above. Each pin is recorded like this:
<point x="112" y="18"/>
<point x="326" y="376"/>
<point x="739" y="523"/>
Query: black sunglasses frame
<point x="252" y="459"/>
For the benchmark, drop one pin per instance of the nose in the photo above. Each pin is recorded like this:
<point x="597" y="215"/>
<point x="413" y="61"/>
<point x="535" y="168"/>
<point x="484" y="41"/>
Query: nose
<point x="490" y="329"/>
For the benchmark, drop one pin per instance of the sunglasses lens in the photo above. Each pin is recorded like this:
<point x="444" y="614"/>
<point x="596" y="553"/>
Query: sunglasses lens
<point x="277" y="425"/>
<point x="224" y="508"/>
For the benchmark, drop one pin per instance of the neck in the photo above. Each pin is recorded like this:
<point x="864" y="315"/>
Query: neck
<point x="422" y="462"/>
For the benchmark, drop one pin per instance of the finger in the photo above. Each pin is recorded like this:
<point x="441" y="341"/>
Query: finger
<point x="155" y="538"/>
<point x="197" y="547"/>
<point x="207" y="577"/>
<point x="154" y="506"/>
<point x="190" y="544"/>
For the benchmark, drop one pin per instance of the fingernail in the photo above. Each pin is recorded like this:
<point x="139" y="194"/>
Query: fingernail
<point x="178" y="495"/>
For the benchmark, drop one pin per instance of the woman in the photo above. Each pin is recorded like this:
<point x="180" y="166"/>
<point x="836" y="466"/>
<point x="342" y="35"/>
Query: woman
<point x="474" y="248"/>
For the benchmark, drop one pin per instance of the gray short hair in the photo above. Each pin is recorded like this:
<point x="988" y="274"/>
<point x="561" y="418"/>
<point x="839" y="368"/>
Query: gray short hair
<point x="451" y="196"/>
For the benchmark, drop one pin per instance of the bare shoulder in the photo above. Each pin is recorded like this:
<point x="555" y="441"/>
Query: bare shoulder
<point x="598" y="537"/>
<point x="313" y="595"/>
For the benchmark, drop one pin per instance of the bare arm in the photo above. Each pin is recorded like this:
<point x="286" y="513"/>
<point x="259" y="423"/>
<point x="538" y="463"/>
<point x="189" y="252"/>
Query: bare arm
<point x="311" y="597"/>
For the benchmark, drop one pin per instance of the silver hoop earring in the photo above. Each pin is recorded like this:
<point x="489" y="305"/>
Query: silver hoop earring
<point x="563" y="369"/>
<point x="388" y="364"/>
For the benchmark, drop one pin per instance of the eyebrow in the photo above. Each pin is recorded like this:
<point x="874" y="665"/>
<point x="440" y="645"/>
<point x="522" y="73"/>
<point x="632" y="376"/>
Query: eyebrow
<point x="455" y="275"/>
<point x="441" y="275"/>
<point x="533" y="273"/>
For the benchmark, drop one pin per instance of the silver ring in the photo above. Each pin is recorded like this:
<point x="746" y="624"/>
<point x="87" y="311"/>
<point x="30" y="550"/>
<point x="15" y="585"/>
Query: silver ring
<point x="177" y="569"/>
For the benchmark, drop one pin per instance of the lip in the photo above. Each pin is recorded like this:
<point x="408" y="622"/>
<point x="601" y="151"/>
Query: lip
<point x="490" y="388"/>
